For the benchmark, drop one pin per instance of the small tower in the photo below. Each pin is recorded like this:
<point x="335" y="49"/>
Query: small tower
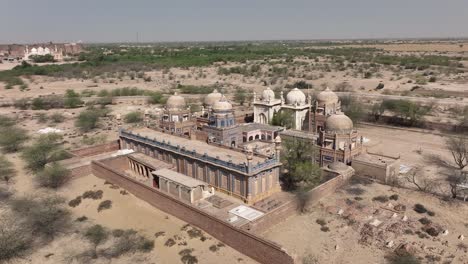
<point x="278" y="147"/>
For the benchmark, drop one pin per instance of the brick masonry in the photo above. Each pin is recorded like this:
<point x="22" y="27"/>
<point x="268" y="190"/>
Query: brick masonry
<point x="257" y="248"/>
<point x="97" y="149"/>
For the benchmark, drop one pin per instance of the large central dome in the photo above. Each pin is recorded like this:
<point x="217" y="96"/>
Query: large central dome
<point x="222" y="105"/>
<point x="327" y="96"/>
<point x="212" y="98"/>
<point x="338" y="123"/>
<point x="295" y="96"/>
<point x="175" y="102"/>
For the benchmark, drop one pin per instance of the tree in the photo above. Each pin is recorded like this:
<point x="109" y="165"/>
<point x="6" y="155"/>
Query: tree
<point x="284" y="118"/>
<point x="458" y="147"/>
<point x="15" y="238"/>
<point x="422" y="183"/>
<point x="377" y="111"/>
<point x="411" y="113"/>
<point x="12" y="138"/>
<point x="44" y="216"/>
<point x="352" y="108"/>
<point x="72" y="99"/>
<point x="133" y="117"/>
<point x="96" y="235"/>
<point x="7" y="172"/>
<point x="45" y="149"/>
<point x="53" y="176"/>
<point x="240" y="95"/>
<point x="298" y="158"/>
<point x="5" y="121"/>
<point x="87" y="120"/>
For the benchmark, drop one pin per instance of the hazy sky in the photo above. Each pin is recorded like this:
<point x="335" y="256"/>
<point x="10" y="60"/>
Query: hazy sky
<point x="176" y="20"/>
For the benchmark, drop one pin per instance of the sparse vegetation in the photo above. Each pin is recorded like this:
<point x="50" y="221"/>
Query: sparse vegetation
<point x="53" y="176"/>
<point x="133" y="117"/>
<point x="107" y="204"/>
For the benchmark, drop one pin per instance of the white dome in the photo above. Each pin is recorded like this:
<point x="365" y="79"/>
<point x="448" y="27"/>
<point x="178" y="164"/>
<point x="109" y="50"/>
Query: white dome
<point x="33" y="50"/>
<point x="222" y="105"/>
<point x="327" y="96"/>
<point x="338" y="123"/>
<point x="268" y="94"/>
<point x="212" y="98"/>
<point x="175" y="102"/>
<point x="295" y="96"/>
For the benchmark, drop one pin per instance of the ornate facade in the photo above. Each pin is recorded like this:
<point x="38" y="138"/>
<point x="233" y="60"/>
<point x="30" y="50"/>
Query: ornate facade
<point x="336" y="137"/>
<point x="296" y="101"/>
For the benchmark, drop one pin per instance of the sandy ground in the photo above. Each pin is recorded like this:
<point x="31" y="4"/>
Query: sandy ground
<point x="343" y="243"/>
<point x="127" y="212"/>
<point x="413" y="147"/>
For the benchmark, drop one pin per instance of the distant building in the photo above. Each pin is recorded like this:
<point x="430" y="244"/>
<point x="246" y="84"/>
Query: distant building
<point x="25" y="51"/>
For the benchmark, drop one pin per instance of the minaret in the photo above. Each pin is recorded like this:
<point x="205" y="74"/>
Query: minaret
<point x="282" y="98"/>
<point x="249" y="156"/>
<point x="278" y="147"/>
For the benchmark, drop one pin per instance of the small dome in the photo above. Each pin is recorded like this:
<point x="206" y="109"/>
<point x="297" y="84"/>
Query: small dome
<point x="295" y="96"/>
<point x="212" y="98"/>
<point x="268" y="94"/>
<point x="337" y="166"/>
<point x="338" y="123"/>
<point x="175" y="102"/>
<point x="327" y="96"/>
<point x="222" y="105"/>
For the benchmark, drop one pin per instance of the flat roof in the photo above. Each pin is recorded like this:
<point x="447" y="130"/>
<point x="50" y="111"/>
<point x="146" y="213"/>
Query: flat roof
<point x="255" y="126"/>
<point x="299" y="134"/>
<point x="246" y="212"/>
<point x="179" y="178"/>
<point x="375" y="158"/>
<point x="200" y="147"/>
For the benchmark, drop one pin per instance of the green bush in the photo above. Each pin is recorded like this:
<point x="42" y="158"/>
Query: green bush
<point x="72" y="99"/>
<point x="53" y="176"/>
<point x="133" y="117"/>
<point x="57" y="118"/>
<point x="12" y="138"/>
<point x="46" y="148"/>
<point x="87" y="120"/>
<point x="7" y="171"/>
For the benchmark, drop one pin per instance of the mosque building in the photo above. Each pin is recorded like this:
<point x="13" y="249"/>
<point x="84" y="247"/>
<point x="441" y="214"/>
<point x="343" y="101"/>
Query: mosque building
<point x="333" y="130"/>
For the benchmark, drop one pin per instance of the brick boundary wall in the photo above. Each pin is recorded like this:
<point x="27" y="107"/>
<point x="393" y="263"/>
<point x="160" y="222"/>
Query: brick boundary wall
<point x="96" y="149"/>
<point x="82" y="171"/>
<point x="257" y="248"/>
<point x="290" y="207"/>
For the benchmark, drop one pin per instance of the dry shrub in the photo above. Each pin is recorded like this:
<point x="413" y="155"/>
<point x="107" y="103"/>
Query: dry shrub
<point x="107" y="204"/>
<point x="170" y="242"/>
<point x="75" y="202"/>
<point x="95" y="195"/>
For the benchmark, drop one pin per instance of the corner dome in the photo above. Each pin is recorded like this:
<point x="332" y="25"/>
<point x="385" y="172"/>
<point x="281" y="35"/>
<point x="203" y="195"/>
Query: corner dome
<point x="295" y="96"/>
<point x="338" y="123"/>
<point x="175" y="102"/>
<point x="222" y="105"/>
<point x="268" y="94"/>
<point x="212" y="98"/>
<point x="337" y="166"/>
<point x="327" y="96"/>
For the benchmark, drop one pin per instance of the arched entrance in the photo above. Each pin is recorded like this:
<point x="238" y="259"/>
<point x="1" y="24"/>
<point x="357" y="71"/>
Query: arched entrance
<point x="262" y="119"/>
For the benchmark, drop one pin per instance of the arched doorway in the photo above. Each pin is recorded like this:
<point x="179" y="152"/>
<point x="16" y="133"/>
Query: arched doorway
<point x="262" y="119"/>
